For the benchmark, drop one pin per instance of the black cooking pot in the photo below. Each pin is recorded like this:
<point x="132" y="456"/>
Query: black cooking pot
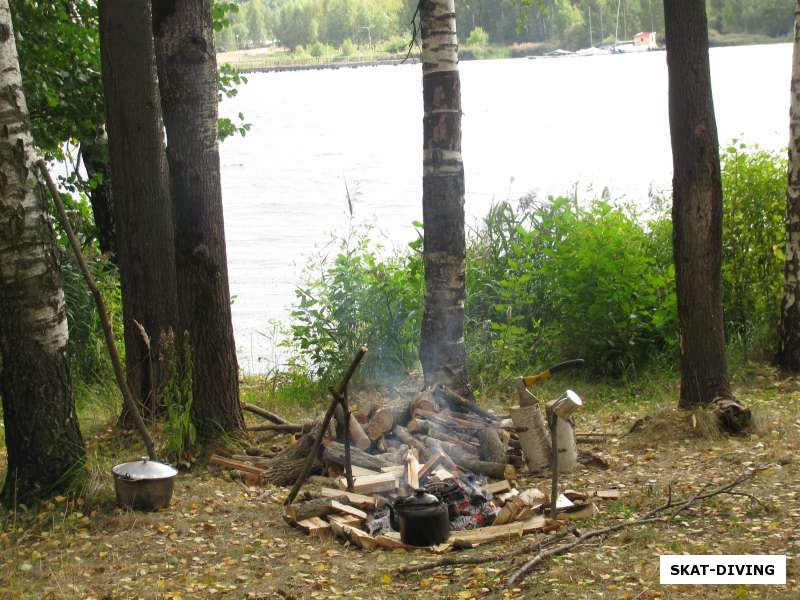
<point x="422" y="519"/>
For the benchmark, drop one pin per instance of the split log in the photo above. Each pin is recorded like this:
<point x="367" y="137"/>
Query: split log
<point x="460" y="403"/>
<point x="357" y="435"/>
<point x="437" y="431"/>
<point x="373" y="484"/>
<point x="402" y="434"/>
<point x="334" y="453"/>
<point x="492" y="449"/>
<point x="485" y="535"/>
<point x="318" y="507"/>
<point x="351" y="534"/>
<point x="315" y="527"/>
<point x="424" y="401"/>
<point x="490" y="469"/>
<point x="358" y="500"/>
<point x="436" y="449"/>
<point x="412" y="471"/>
<point x="238" y="465"/>
<point x="262" y="412"/>
<point x="381" y="422"/>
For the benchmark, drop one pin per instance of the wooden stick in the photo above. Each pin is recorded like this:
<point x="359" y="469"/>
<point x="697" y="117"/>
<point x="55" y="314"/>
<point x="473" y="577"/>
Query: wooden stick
<point x="459" y="401"/>
<point x="282" y="428"/>
<point x="325" y="422"/>
<point x="348" y="461"/>
<point x="262" y="412"/>
<point x="127" y="396"/>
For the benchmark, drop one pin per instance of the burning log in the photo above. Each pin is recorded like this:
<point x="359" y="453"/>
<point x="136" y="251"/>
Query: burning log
<point x="460" y="403"/>
<point x="492" y="448"/>
<point x="402" y="434"/>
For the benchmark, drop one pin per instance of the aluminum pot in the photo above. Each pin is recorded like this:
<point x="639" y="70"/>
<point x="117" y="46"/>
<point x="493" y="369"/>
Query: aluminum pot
<point x="144" y="484"/>
<point x="421" y="518"/>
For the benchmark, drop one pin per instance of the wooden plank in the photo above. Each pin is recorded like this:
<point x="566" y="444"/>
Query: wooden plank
<point x="606" y="494"/>
<point x="315" y="527"/>
<point x="353" y="535"/>
<point x="362" y="472"/>
<point x="412" y="470"/>
<point x="433" y="462"/>
<point x="348" y="510"/>
<point x="442" y="474"/>
<point x="497" y="487"/>
<point x="344" y="520"/>
<point x="533" y="523"/>
<point x="398" y="470"/>
<point x="486" y="535"/>
<point x="372" y="484"/>
<point x="358" y="500"/>
<point x="391" y="541"/>
<point x="235" y="464"/>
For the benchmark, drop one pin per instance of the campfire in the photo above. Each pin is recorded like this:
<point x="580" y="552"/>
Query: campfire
<point x="434" y="469"/>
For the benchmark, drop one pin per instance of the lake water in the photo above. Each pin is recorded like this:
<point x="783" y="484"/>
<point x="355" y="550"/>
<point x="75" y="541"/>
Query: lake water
<point x="542" y="125"/>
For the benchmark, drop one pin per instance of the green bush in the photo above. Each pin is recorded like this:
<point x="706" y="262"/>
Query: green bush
<point x="348" y="47"/>
<point x="318" y="50"/>
<point x="753" y="239"/>
<point x="550" y="280"/>
<point x="478" y="37"/>
<point x="357" y="297"/>
<point x="396" y="44"/>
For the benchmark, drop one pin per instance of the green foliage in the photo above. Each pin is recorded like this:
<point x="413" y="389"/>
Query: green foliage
<point x="179" y="432"/>
<point x="754" y="186"/>
<point x="478" y="37"/>
<point x="348" y="47"/>
<point x="318" y="50"/>
<point x="357" y="297"/>
<point x="59" y="55"/>
<point x="552" y="280"/>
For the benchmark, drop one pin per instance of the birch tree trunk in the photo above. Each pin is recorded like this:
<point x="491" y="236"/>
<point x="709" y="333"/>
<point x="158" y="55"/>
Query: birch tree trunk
<point x="140" y="186"/>
<point x="442" y="352"/>
<point x="45" y="448"/>
<point x="789" y="349"/>
<point x="187" y="72"/>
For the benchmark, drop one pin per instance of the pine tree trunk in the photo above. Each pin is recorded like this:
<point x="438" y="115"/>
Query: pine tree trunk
<point x="45" y="448"/>
<point x="140" y="185"/>
<point x="95" y="160"/>
<point x="789" y="350"/>
<point x="697" y="205"/>
<point x="187" y="71"/>
<point x="442" y="350"/>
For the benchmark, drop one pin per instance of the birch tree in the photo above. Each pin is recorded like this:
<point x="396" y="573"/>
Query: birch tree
<point x="187" y="74"/>
<point x="789" y="349"/>
<point x="140" y="186"/>
<point x="442" y="351"/>
<point x="45" y="448"/>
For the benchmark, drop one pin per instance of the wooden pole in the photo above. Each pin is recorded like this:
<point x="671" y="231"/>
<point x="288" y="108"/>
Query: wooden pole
<point x="337" y="393"/>
<point x="127" y="396"/>
<point x="554" y="467"/>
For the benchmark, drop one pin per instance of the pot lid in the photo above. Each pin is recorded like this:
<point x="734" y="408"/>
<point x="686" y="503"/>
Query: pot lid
<point x="420" y="499"/>
<point x="143" y="469"/>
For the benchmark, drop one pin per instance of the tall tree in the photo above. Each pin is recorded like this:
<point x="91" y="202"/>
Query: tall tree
<point x="140" y="186"/>
<point x="697" y="205"/>
<point x="789" y="349"/>
<point x="187" y="73"/>
<point x="45" y="448"/>
<point x="442" y="350"/>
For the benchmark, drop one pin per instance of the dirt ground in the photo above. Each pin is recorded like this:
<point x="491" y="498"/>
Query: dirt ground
<point x="222" y="539"/>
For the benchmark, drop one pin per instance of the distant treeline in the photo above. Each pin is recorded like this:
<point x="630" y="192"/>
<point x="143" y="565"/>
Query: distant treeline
<point x="294" y="23"/>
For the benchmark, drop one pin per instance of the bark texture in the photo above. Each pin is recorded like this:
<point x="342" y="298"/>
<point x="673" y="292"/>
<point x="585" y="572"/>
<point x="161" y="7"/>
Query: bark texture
<point x="442" y="351"/>
<point x="187" y="72"/>
<point x="697" y="205"/>
<point x="140" y="185"/>
<point x="45" y="448"/>
<point x="788" y="356"/>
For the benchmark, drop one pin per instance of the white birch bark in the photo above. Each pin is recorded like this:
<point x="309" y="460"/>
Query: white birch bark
<point x="30" y="286"/>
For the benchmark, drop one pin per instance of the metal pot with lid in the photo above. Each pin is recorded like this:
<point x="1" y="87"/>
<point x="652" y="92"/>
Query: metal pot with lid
<point x="144" y="484"/>
<point x="422" y="519"/>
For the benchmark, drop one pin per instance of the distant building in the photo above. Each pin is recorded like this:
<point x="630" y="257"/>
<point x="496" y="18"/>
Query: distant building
<point x="646" y="39"/>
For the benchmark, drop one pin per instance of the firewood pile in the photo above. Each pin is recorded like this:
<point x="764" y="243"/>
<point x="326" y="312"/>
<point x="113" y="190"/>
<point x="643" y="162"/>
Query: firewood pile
<point x="436" y="440"/>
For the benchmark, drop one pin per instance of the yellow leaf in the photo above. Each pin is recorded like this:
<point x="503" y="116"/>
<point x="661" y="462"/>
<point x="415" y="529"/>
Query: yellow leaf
<point x="386" y="579"/>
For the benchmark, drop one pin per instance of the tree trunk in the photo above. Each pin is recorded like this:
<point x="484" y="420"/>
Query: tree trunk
<point x="697" y="205"/>
<point x="45" y="448"/>
<point x="789" y="349"/>
<point x="187" y="71"/>
<point x="442" y="350"/>
<point x="142" y="204"/>
<point x="96" y="162"/>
